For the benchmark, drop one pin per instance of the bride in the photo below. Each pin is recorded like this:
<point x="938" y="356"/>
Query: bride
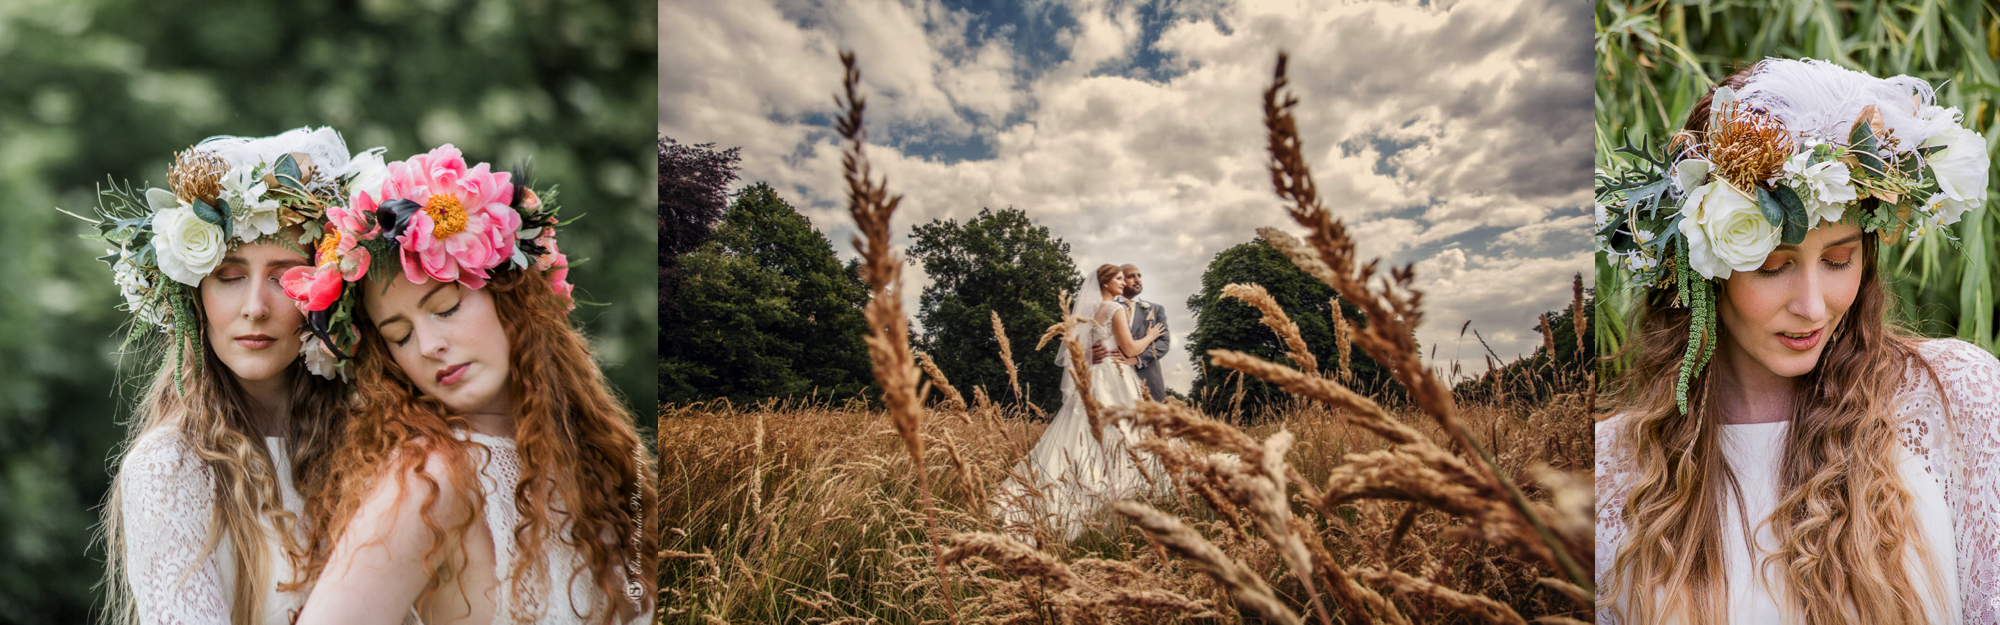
<point x="1070" y="475"/>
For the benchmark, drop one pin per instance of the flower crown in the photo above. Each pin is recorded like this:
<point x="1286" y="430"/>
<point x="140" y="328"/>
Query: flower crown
<point x="223" y="192"/>
<point x="435" y="219"/>
<point x="1802" y="143"/>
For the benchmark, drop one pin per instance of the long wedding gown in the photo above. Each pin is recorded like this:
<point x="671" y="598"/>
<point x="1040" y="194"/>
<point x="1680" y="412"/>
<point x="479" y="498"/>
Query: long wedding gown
<point x="1074" y="476"/>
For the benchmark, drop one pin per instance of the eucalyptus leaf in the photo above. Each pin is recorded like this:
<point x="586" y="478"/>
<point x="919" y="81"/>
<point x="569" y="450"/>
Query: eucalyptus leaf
<point x="1797" y="221"/>
<point x="1774" y="213"/>
<point x="287" y="172"/>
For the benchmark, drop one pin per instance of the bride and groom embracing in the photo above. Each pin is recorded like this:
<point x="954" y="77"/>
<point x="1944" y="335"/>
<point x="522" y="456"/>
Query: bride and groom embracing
<point x="1071" y="475"/>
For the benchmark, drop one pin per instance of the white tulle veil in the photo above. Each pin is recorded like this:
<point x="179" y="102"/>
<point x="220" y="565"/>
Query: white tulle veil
<point x="1082" y="309"/>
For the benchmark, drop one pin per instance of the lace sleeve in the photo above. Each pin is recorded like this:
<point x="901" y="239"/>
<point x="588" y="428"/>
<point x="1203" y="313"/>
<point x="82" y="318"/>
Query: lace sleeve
<point x="1969" y="470"/>
<point x="1612" y="482"/>
<point x="167" y="499"/>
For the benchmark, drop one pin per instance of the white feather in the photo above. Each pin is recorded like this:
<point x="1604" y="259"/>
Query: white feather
<point x="1820" y="100"/>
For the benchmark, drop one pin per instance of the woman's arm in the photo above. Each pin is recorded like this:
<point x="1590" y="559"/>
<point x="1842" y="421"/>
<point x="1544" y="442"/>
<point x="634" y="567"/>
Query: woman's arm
<point x="1971" y="381"/>
<point x="382" y="561"/>
<point x="166" y="501"/>
<point x="1121" y="327"/>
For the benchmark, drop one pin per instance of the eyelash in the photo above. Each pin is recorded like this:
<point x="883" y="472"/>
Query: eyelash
<point x="1830" y="265"/>
<point x="447" y="313"/>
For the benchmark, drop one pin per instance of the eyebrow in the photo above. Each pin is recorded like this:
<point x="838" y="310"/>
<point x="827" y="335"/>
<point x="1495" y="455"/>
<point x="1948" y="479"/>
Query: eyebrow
<point x="427" y="297"/>
<point x="1852" y="238"/>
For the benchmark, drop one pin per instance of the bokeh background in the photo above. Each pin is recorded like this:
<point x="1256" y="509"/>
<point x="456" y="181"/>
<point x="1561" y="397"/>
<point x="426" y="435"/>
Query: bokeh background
<point x="97" y="88"/>
<point x="1654" y="59"/>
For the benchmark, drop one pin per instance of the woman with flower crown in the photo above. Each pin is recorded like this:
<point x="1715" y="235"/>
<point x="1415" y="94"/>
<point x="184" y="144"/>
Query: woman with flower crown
<point x="203" y="522"/>
<point x="487" y="473"/>
<point x="1780" y="451"/>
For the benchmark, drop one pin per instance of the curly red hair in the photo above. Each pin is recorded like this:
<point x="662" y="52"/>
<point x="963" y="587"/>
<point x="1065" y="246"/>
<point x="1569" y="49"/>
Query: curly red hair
<point x="576" y="441"/>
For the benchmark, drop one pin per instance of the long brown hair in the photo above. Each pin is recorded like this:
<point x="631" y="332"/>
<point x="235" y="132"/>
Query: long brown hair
<point x="1844" y="522"/>
<point x="207" y="412"/>
<point x="576" y="441"/>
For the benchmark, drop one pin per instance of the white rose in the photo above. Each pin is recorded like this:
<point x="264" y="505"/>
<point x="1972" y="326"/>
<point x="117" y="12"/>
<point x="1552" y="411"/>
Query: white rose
<point x="250" y="214"/>
<point x="188" y="248"/>
<point x="368" y="173"/>
<point x="1725" y="231"/>
<point x="1961" y="166"/>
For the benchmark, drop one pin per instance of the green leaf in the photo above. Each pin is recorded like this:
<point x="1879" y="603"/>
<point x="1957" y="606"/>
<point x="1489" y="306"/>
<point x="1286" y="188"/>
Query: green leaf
<point x="218" y="215"/>
<point x="287" y="172"/>
<point x="1863" y="130"/>
<point x="1796" y="220"/>
<point x="1774" y="213"/>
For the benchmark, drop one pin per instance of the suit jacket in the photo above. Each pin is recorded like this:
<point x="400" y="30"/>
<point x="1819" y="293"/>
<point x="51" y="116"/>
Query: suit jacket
<point x="1144" y="315"/>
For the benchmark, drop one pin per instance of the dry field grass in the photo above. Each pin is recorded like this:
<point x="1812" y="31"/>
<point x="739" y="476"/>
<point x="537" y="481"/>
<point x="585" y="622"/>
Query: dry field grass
<point x="785" y="514"/>
<point x="1341" y="510"/>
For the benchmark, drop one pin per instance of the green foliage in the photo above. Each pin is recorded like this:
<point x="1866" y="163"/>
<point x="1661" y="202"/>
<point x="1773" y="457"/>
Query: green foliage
<point x="1228" y="323"/>
<point x="1655" y="59"/>
<point x="768" y="311"/>
<point x="112" y="88"/>
<point x="997" y="262"/>
<point x="1536" y="380"/>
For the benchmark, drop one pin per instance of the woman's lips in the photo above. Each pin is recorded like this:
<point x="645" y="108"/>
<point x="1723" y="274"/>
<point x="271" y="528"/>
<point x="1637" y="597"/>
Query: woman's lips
<point x="256" y="341"/>
<point x="452" y="374"/>
<point x="1800" y="341"/>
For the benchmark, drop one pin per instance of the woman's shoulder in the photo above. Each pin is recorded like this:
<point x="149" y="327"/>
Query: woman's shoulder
<point x="1960" y="367"/>
<point x="161" y="454"/>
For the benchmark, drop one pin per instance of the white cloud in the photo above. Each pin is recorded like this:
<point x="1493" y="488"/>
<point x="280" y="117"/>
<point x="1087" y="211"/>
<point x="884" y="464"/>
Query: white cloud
<point x="1463" y="129"/>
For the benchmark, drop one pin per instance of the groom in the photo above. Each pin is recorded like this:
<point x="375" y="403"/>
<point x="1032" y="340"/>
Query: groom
<point x="1144" y="315"/>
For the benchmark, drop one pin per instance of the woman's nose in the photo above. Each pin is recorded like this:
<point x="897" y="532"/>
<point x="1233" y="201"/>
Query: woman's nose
<point x="1809" y="301"/>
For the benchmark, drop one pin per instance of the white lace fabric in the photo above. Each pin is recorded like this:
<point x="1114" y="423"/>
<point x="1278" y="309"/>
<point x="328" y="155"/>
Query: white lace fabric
<point x="168" y="501"/>
<point x="566" y="587"/>
<point x="1961" y="450"/>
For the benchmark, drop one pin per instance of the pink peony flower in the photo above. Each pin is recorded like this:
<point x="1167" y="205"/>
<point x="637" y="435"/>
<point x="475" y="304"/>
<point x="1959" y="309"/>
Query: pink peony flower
<point x="466" y="226"/>
<point x="313" y="288"/>
<point x="338" y="259"/>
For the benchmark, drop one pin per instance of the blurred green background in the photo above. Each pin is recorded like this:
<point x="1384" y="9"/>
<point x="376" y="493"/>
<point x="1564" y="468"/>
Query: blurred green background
<point x="1654" y="59"/>
<point x="90" y="88"/>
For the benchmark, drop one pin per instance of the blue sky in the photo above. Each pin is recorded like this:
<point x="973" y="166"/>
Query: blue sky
<point x="1455" y="135"/>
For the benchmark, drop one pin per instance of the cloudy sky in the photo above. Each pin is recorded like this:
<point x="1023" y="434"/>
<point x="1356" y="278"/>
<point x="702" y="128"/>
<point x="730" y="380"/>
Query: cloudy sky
<point x="1453" y="135"/>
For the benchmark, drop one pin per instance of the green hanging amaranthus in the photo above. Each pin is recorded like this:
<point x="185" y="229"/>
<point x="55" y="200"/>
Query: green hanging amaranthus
<point x="1698" y="294"/>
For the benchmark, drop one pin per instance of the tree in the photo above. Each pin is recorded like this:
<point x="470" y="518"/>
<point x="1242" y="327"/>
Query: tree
<point x="997" y="262"/>
<point x="694" y="193"/>
<point x="1547" y="372"/>
<point x="768" y="311"/>
<point x="1228" y="323"/>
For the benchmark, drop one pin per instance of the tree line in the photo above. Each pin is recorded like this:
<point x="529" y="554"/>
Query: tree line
<point x="755" y="304"/>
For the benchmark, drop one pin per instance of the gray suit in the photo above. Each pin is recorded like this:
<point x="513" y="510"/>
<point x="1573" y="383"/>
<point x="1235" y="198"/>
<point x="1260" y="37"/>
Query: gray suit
<point x="1144" y="315"/>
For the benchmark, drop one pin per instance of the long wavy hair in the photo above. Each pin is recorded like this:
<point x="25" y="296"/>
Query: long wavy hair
<point x="210" y="415"/>
<point x="576" y="441"/>
<point x="1844" y="522"/>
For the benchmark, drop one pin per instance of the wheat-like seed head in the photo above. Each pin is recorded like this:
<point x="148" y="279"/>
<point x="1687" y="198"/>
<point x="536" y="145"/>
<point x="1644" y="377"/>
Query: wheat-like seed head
<point x="952" y="400"/>
<point x="1275" y="318"/>
<point x="1007" y="356"/>
<point x="1249" y="589"/>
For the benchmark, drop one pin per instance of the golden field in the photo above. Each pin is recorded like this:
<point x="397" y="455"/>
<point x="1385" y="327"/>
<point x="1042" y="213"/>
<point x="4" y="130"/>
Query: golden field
<point x="811" y="514"/>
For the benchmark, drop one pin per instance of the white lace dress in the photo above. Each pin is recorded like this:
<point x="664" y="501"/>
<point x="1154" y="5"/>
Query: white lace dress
<point x="567" y="587"/>
<point x="1950" y="466"/>
<point x="167" y="500"/>
<point x="1075" y="475"/>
